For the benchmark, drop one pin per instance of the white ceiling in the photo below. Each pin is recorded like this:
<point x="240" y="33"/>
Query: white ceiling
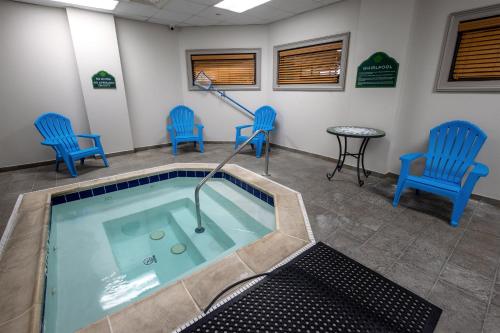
<point x="202" y="12"/>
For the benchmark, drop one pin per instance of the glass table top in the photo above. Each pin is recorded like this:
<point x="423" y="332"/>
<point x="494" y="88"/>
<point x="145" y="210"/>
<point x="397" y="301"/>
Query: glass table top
<point x="356" y="131"/>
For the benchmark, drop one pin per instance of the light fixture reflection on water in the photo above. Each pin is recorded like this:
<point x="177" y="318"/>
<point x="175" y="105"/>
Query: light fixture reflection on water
<point x="120" y="290"/>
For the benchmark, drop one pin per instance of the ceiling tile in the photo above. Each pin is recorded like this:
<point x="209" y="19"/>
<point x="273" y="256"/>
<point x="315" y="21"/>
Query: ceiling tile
<point x="162" y="21"/>
<point x="268" y="13"/>
<point x="129" y="8"/>
<point x="177" y="11"/>
<point x="44" y="3"/>
<point x="183" y="6"/>
<point x="241" y="19"/>
<point x="198" y="20"/>
<point x="215" y="13"/>
<point x="295" y="6"/>
<point x="206" y="2"/>
<point x="155" y="3"/>
<point x="171" y="16"/>
<point x="329" y="2"/>
<point x="132" y="17"/>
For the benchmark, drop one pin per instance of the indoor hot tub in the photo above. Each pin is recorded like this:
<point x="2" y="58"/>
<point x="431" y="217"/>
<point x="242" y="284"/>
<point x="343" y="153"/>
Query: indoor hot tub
<point x="122" y="253"/>
<point x="115" y="244"/>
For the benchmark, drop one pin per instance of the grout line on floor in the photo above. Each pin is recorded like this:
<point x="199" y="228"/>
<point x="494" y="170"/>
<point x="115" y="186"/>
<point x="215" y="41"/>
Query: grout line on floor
<point x="109" y="324"/>
<point x="492" y="289"/>
<point x="451" y="252"/>
<point x="18" y="316"/>
<point x="403" y="252"/>
<point x="191" y="296"/>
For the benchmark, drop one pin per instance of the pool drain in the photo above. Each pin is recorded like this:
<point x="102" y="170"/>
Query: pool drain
<point x="149" y="260"/>
<point x="178" y="248"/>
<point x="157" y="234"/>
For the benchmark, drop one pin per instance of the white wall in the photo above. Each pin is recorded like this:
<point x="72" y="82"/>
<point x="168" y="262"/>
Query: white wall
<point x="367" y="21"/>
<point x="218" y="117"/>
<point x="378" y="107"/>
<point x="151" y="70"/>
<point x="154" y="67"/>
<point x="38" y="74"/>
<point x="96" y="48"/>
<point x="422" y="108"/>
<point x="305" y="115"/>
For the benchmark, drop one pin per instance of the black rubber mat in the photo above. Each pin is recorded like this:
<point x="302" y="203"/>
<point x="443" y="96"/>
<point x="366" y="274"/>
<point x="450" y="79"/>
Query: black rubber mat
<point x="322" y="290"/>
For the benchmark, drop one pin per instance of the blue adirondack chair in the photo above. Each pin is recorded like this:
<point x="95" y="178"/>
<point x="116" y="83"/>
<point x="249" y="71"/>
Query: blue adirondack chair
<point x="453" y="146"/>
<point x="57" y="131"/>
<point x="264" y="119"/>
<point x="182" y="128"/>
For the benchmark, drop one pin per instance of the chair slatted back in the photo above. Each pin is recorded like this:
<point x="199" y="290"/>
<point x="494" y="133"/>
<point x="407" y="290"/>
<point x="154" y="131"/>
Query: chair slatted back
<point x="183" y="120"/>
<point x="57" y="128"/>
<point x="453" y="146"/>
<point x="264" y="118"/>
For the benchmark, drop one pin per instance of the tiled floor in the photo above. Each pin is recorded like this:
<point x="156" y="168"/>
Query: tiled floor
<point x="413" y="245"/>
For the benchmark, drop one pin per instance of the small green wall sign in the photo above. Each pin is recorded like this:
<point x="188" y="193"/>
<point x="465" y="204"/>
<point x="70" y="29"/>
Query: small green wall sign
<point x="103" y="80"/>
<point x="378" y="71"/>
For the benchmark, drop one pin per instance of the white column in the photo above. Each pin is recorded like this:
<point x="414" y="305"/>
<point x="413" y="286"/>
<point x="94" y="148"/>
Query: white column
<point x="96" y="48"/>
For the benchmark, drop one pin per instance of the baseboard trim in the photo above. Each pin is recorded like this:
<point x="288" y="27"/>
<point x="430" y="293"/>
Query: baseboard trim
<point x="326" y="158"/>
<point x="26" y="166"/>
<point x="491" y="201"/>
<point x="391" y="175"/>
<point x="161" y="145"/>
<point x="117" y="153"/>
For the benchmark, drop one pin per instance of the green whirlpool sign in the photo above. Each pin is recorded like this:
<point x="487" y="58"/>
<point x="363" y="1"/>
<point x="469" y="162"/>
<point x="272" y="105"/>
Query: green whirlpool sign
<point x="378" y="71"/>
<point x="103" y="80"/>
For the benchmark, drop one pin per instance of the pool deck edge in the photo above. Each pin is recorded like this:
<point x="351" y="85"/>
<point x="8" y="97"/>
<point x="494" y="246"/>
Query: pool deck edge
<point x="170" y="306"/>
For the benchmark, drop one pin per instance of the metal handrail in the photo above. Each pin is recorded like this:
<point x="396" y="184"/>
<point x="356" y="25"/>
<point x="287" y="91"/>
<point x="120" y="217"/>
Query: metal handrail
<point x="199" y="229"/>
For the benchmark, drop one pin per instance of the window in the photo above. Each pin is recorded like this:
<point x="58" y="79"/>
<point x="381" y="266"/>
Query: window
<point x="470" y="59"/>
<point x="317" y="64"/>
<point x="477" y="54"/>
<point x="228" y="69"/>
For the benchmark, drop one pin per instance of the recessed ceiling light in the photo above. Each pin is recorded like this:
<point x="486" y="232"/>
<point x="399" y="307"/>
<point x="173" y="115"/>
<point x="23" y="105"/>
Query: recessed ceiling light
<point x="99" y="4"/>
<point x="240" y="6"/>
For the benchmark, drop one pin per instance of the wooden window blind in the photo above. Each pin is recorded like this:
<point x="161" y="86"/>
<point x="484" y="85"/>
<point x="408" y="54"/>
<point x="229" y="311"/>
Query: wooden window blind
<point x="226" y="69"/>
<point x="477" y="54"/>
<point x="315" y="64"/>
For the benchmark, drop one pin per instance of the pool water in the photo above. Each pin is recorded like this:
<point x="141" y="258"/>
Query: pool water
<point x="106" y="252"/>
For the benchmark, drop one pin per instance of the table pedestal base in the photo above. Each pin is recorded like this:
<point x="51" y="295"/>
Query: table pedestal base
<point x="360" y="156"/>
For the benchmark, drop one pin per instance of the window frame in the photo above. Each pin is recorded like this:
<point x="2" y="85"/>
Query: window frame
<point x="449" y="44"/>
<point x="340" y="86"/>
<point x="258" y="56"/>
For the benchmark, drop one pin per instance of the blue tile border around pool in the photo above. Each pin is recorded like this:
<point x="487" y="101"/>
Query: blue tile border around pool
<point x="96" y="191"/>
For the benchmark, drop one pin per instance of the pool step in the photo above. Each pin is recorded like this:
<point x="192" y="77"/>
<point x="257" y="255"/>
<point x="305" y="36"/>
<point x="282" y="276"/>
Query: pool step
<point x="244" y="227"/>
<point x="240" y="204"/>
<point x="210" y="243"/>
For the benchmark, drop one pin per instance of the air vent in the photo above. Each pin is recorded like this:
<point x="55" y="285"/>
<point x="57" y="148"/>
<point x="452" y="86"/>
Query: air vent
<point x="156" y="3"/>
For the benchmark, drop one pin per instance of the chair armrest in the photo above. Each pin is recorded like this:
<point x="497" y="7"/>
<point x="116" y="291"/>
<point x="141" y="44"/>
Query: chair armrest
<point x="242" y="126"/>
<point x="239" y="128"/>
<point x="89" y="136"/>
<point x="411" y="157"/>
<point x="406" y="160"/>
<point x="48" y="142"/>
<point x="171" y="131"/>
<point x="95" y="137"/>
<point x="480" y="169"/>
<point x="200" y="130"/>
